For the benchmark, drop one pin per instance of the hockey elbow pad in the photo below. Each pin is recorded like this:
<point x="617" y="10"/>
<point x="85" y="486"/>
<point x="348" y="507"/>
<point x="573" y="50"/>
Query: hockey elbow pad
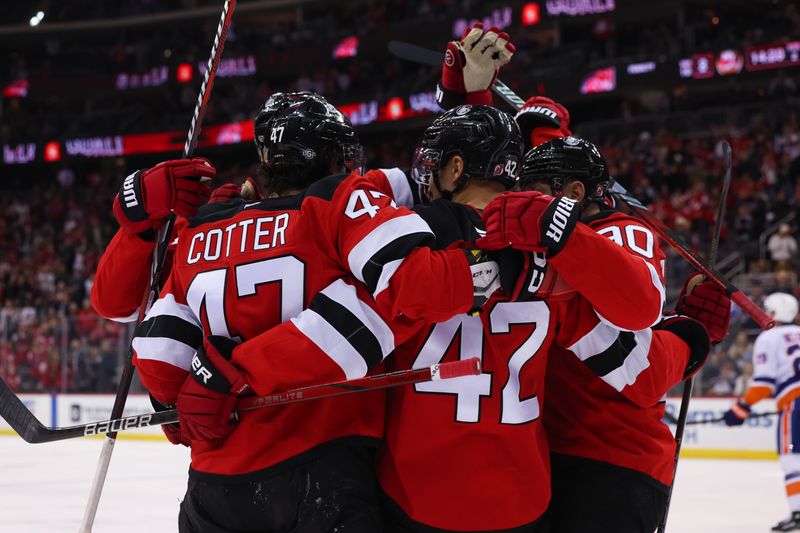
<point x="694" y="334"/>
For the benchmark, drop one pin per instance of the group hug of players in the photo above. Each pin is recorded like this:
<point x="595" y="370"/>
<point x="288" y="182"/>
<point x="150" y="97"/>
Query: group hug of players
<point x="500" y="243"/>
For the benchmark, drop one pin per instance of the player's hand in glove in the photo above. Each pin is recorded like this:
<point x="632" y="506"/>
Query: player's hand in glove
<point x="172" y="431"/>
<point x="148" y="196"/>
<point x="706" y="302"/>
<point x="542" y="119"/>
<point x="737" y="414"/>
<point x="471" y="66"/>
<point x="209" y="394"/>
<point x="249" y="190"/>
<point x="529" y="221"/>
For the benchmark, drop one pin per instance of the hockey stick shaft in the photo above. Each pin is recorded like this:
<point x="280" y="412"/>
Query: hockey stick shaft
<point x="722" y="418"/>
<point x="159" y="254"/>
<point x="688" y="385"/>
<point x="31" y="430"/>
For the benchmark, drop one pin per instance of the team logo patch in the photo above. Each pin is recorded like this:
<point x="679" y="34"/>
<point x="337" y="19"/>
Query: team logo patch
<point x="308" y="153"/>
<point x="571" y="141"/>
<point x="463" y="110"/>
<point x="498" y="169"/>
<point x="449" y="58"/>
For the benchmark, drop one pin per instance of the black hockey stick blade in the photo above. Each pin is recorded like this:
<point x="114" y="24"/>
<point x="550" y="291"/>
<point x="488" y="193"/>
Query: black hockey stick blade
<point x="25" y="423"/>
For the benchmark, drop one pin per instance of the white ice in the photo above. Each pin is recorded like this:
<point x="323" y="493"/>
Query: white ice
<point x="43" y="489"/>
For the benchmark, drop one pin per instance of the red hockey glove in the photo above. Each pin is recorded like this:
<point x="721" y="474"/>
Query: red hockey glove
<point x="529" y="221"/>
<point x="249" y="190"/>
<point x="209" y="394"/>
<point x="706" y="302"/>
<point x="225" y="193"/>
<point x="542" y="119"/>
<point x="471" y="65"/>
<point x="172" y="431"/>
<point x="737" y="414"/>
<point x="148" y="196"/>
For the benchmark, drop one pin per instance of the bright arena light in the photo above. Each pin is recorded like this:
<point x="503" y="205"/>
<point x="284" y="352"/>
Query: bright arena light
<point x="37" y="18"/>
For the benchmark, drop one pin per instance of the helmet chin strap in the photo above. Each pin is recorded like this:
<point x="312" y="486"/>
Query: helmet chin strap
<point x="448" y="195"/>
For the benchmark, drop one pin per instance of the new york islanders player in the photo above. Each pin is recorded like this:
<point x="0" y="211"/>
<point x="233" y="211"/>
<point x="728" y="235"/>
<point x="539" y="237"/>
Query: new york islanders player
<point x="776" y="364"/>
<point x="626" y="471"/>
<point x="326" y="245"/>
<point x="472" y="455"/>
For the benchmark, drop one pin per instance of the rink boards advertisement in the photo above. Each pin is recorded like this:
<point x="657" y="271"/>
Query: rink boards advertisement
<point x="753" y="440"/>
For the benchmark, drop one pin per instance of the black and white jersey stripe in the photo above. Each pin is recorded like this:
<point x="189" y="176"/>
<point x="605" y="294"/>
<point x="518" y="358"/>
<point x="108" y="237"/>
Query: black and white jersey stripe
<point x="616" y="356"/>
<point x="346" y="329"/>
<point x="170" y="333"/>
<point x="403" y="187"/>
<point x="376" y="258"/>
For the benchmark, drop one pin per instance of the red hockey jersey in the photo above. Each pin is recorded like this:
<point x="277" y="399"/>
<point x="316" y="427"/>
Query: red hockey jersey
<point x="123" y="272"/>
<point x="316" y="259"/>
<point x="607" y="403"/>
<point x="470" y="453"/>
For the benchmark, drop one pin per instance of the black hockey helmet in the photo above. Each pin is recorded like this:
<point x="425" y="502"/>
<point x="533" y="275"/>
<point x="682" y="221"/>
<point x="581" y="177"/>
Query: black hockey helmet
<point x="312" y="130"/>
<point x="558" y="161"/>
<point x="274" y="104"/>
<point x="486" y="138"/>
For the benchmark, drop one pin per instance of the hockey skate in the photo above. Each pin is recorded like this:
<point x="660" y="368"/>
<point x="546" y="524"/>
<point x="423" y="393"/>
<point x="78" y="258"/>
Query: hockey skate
<point x="790" y="524"/>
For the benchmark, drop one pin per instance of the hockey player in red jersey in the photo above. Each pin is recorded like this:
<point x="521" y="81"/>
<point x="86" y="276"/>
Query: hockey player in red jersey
<point x="612" y="456"/>
<point x="318" y="251"/>
<point x="145" y="199"/>
<point x="471" y="455"/>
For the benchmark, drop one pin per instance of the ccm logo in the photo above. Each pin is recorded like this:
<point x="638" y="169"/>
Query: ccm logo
<point x="200" y="370"/>
<point x="561" y="216"/>
<point x="110" y="426"/>
<point x="128" y="192"/>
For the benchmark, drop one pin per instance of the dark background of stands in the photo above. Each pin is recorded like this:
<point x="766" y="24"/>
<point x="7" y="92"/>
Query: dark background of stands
<point x="660" y="134"/>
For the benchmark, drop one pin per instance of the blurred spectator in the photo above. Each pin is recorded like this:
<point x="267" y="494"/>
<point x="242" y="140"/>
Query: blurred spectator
<point x="782" y="245"/>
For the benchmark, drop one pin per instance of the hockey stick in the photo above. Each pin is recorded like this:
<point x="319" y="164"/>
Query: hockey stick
<point x="159" y="254"/>
<point x="423" y="56"/>
<point x="25" y="423"/>
<point x="689" y="383"/>
<point x="672" y="420"/>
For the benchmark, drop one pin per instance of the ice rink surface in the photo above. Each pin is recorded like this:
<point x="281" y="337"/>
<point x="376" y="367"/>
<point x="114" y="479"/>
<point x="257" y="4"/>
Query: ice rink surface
<point x="43" y="489"/>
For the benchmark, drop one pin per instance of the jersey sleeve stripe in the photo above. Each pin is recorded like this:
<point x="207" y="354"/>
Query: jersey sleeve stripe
<point x="617" y="357"/>
<point x="329" y="340"/>
<point x="172" y="327"/>
<point x="166" y="305"/>
<point x="636" y="362"/>
<point x="164" y="349"/>
<point x="600" y="339"/>
<point x="765" y="382"/>
<point x="349" y="327"/>
<point x="392" y="240"/>
<point x="402" y="191"/>
<point x="614" y="356"/>
<point x="346" y="297"/>
<point x="124" y="319"/>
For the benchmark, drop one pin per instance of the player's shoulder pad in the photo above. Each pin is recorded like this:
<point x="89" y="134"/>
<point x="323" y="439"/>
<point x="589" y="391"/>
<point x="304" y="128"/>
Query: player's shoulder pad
<point x="608" y="214"/>
<point x="326" y="187"/>
<point x="451" y="222"/>
<point x="224" y="210"/>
